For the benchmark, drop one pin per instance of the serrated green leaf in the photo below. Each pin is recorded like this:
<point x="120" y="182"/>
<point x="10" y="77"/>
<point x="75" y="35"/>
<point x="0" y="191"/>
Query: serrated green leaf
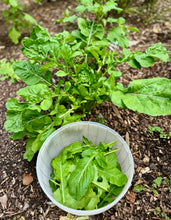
<point x="117" y="34"/>
<point x="114" y="176"/>
<point x="13" y="121"/>
<point x="139" y="188"/>
<point x="158" y="52"/>
<point x="70" y="19"/>
<point x="149" y="96"/>
<point x="88" y="28"/>
<point x="35" y="93"/>
<point x="28" y="72"/>
<point x="47" y="66"/>
<point x="7" y="70"/>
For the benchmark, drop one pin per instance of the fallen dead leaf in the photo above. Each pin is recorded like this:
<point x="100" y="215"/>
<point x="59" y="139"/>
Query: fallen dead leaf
<point x="130" y="196"/>
<point x="3" y="201"/>
<point x="27" y="179"/>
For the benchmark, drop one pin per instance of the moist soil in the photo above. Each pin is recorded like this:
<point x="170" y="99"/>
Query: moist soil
<point x="151" y="152"/>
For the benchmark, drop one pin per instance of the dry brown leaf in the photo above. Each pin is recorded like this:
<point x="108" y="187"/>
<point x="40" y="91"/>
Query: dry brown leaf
<point x="130" y="196"/>
<point x="27" y="179"/>
<point x="3" y="201"/>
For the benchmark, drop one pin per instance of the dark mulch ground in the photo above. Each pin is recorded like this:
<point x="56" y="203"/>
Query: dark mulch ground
<point x="151" y="153"/>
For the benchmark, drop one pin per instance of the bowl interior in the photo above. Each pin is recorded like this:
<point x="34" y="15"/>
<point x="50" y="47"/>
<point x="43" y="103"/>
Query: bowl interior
<point x="70" y="133"/>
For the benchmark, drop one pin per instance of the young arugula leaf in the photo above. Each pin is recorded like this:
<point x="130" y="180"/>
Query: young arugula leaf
<point x="69" y="200"/>
<point x="81" y="178"/>
<point x="7" y="71"/>
<point x="114" y="176"/>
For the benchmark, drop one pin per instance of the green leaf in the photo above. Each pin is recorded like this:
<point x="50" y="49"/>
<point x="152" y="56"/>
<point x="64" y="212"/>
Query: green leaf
<point x="81" y="178"/>
<point x="29" y="18"/>
<point x="38" y="123"/>
<point x="13" y="121"/>
<point x="88" y="28"/>
<point x="70" y="201"/>
<point x="7" y="70"/>
<point x="109" y="5"/>
<point x="114" y="176"/>
<point x="29" y="154"/>
<point x="14" y="35"/>
<point x="28" y="72"/>
<point x="158" y="52"/>
<point x="133" y="29"/>
<point x="61" y="73"/>
<point x="149" y="96"/>
<point x="36" y="145"/>
<point x="144" y="60"/>
<point x="139" y="188"/>
<point x="80" y="8"/>
<point x="111" y="160"/>
<point x="47" y="66"/>
<point x="117" y="34"/>
<point x="94" y="200"/>
<point x="70" y="19"/>
<point x="36" y="93"/>
<point x="13" y="3"/>
<point x="46" y="104"/>
<point x="101" y="160"/>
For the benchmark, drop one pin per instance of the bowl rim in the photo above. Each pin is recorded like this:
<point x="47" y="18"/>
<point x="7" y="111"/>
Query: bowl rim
<point x="94" y="211"/>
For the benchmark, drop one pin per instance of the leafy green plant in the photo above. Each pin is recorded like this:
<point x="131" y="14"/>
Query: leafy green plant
<point x="86" y="76"/>
<point x="7" y="71"/>
<point x="85" y="176"/>
<point x="17" y="19"/>
<point x="139" y="188"/>
<point x="157" y="182"/>
<point x="157" y="129"/>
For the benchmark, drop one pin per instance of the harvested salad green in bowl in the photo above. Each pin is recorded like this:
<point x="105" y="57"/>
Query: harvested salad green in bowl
<point x="85" y="168"/>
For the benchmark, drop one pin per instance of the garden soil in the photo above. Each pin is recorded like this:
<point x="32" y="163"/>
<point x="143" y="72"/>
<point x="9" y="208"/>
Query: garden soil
<point x="151" y="153"/>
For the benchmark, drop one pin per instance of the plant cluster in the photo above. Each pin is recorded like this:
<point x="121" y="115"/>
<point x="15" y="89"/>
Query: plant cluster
<point x="17" y="19"/>
<point x="86" y="71"/>
<point x="157" y="130"/>
<point x="85" y="176"/>
<point x="7" y="71"/>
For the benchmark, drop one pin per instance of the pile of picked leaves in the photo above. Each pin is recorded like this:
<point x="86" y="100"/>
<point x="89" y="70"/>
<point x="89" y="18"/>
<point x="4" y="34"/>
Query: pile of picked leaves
<point x="149" y="195"/>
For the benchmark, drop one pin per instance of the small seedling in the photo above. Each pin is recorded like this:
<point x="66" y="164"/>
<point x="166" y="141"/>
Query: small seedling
<point x="157" y="182"/>
<point x="139" y="188"/>
<point x="157" y="129"/>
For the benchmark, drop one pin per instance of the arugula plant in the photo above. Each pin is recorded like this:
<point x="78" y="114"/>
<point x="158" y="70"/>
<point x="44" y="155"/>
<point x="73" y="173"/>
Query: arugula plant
<point x="6" y="71"/>
<point x="85" y="176"/>
<point x="17" y="19"/>
<point x="86" y="76"/>
<point x="158" y="130"/>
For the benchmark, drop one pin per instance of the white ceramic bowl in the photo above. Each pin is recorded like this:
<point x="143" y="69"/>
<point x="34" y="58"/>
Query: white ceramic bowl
<point x="70" y="133"/>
